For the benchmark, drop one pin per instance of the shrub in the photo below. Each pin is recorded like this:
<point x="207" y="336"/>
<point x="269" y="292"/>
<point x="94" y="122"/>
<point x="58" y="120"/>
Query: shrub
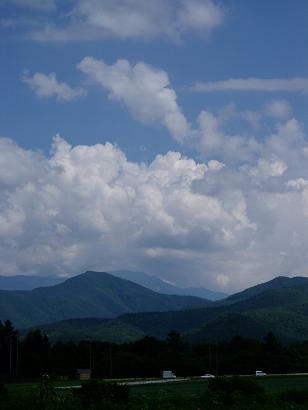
<point x="3" y="392"/>
<point x="93" y="394"/>
<point x="246" y="387"/>
<point x="294" y="396"/>
<point x="223" y="391"/>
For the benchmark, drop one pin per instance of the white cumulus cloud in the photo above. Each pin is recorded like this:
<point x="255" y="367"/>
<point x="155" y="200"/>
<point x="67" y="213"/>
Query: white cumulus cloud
<point x="88" y="207"/>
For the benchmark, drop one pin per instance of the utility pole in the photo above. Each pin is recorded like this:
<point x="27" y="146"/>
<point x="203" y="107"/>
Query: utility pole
<point x="90" y="352"/>
<point x="110" y="360"/>
<point x="216" y="358"/>
<point x="10" y="354"/>
<point x="210" y="359"/>
<point x="17" y="353"/>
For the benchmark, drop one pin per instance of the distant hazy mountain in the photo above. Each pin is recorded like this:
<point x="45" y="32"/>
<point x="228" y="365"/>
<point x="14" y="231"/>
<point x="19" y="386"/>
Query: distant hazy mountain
<point x="92" y="294"/>
<point x="282" y="310"/>
<point x="23" y="282"/>
<point x="161" y="286"/>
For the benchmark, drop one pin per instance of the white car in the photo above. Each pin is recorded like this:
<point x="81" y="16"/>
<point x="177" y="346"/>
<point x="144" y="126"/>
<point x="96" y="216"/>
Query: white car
<point x="207" y="376"/>
<point x="260" y="373"/>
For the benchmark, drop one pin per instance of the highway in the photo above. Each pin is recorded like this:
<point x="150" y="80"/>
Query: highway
<point x="181" y="379"/>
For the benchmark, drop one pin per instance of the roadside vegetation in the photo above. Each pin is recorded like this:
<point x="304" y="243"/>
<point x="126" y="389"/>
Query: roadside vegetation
<point x="27" y="358"/>
<point x="32" y="368"/>
<point x="219" y="393"/>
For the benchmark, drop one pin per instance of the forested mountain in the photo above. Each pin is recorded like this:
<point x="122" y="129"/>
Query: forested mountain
<point x="100" y="306"/>
<point x="92" y="294"/>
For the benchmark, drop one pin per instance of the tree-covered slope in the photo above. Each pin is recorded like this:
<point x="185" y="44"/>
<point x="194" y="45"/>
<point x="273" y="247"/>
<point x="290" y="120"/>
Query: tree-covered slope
<point x="108" y="330"/>
<point x="92" y="294"/>
<point x="283" y="311"/>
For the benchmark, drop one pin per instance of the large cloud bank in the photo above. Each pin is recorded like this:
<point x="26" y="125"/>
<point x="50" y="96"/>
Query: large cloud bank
<point x="88" y="207"/>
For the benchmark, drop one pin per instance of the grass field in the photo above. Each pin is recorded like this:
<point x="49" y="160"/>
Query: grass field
<point x="271" y="384"/>
<point x="167" y="396"/>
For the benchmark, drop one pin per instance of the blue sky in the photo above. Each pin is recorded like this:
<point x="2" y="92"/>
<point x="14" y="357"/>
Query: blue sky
<point x="222" y="83"/>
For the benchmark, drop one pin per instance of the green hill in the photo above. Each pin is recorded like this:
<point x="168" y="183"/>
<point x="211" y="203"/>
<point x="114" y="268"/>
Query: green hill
<point x="92" y="294"/>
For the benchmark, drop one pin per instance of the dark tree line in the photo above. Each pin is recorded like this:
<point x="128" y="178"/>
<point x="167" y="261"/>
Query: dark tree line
<point x="34" y="355"/>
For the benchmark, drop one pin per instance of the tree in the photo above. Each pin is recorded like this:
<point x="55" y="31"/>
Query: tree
<point x="35" y="354"/>
<point x="8" y="348"/>
<point x="174" y="341"/>
<point x="271" y="343"/>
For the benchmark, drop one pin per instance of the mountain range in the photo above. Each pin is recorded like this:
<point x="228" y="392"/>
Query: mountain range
<point x="91" y="294"/>
<point x="101" y="306"/>
<point x="280" y="305"/>
<point x="23" y="282"/>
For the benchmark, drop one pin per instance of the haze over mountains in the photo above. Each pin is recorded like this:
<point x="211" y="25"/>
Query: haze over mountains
<point x="161" y="286"/>
<point x="23" y="282"/>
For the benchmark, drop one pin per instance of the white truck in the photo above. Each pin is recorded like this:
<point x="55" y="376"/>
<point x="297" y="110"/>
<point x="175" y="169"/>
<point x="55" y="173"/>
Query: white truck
<point x="168" y="374"/>
<point x="260" y="373"/>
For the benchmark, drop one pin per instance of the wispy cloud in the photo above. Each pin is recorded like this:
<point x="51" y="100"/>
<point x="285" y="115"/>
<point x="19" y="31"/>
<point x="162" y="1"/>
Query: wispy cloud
<point x="145" y="91"/>
<point x="47" y="85"/>
<point x="42" y="5"/>
<point x="297" y="84"/>
<point x="98" y="19"/>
